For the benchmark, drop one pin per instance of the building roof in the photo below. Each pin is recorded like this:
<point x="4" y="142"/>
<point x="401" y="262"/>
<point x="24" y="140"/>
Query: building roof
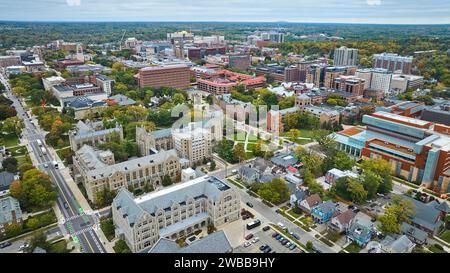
<point x="122" y="100"/>
<point x="6" y="178"/>
<point x="162" y="133"/>
<point x="300" y="195"/>
<point x="414" y="232"/>
<point x="216" y="242"/>
<point x="313" y="200"/>
<point x="248" y="172"/>
<point x="284" y="160"/>
<point x="326" y="207"/>
<point x="205" y="186"/>
<point x="346" y="217"/>
<point x="400" y="245"/>
<point x="425" y="214"/>
<point x="8" y="205"/>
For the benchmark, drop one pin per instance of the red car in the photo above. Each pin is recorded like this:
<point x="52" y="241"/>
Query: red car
<point x="248" y="237"/>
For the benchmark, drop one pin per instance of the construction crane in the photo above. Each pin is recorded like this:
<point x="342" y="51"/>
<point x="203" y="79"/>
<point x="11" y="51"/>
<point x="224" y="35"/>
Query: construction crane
<point x="121" y="40"/>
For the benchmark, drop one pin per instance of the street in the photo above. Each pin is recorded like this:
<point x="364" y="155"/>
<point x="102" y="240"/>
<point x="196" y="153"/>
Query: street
<point x="76" y="222"/>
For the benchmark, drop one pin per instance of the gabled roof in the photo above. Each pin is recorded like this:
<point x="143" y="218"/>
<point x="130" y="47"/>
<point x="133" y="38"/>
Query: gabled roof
<point x="414" y="232"/>
<point x="346" y="217"/>
<point x="443" y="207"/>
<point x="313" y="200"/>
<point x="6" y="178"/>
<point x="326" y="207"/>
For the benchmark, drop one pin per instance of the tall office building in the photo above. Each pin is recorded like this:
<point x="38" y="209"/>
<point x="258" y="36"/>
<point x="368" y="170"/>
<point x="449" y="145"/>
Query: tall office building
<point x="344" y="56"/>
<point x="393" y="62"/>
<point x="176" y="76"/>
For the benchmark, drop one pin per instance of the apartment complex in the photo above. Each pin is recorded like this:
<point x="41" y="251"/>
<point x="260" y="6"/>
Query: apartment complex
<point x="241" y="62"/>
<point x="174" y="212"/>
<point x="223" y="81"/>
<point x="6" y="61"/>
<point x="92" y="133"/>
<point x="349" y="84"/>
<point x="175" y="76"/>
<point x="418" y="150"/>
<point x="344" y="56"/>
<point x="193" y="142"/>
<point x="393" y="62"/>
<point x="97" y="170"/>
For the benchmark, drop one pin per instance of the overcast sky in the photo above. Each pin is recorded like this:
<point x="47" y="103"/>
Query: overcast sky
<point x="340" y="11"/>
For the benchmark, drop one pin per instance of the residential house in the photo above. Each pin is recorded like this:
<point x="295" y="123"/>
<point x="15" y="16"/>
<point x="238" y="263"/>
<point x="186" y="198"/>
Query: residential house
<point x="397" y="245"/>
<point x="285" y="160"/>
<point x="6" y="178"/>
<point x="416" y="235"/>
<point x="297" y="196"/>
<point x="428" y="216"/>
<point x="361" y="231"/>
<point x="309" y="202"/>
<point x="334" y="174"/>
<point x="342" y="221"/>
<point x="323" y="212"/>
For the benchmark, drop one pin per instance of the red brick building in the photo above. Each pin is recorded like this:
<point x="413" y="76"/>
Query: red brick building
<point x="175" y="76"/>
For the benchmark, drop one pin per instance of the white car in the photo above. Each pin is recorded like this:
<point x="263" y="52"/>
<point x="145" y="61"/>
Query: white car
<point x="247" y="244"/>
<point x="25" y="245"/>
<point x="45" y="165"/>
<point x="281" y="225"/>
<point x="255" y="240"/>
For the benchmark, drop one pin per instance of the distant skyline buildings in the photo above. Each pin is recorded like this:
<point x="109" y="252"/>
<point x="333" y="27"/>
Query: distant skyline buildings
<point x="304" y="11"/>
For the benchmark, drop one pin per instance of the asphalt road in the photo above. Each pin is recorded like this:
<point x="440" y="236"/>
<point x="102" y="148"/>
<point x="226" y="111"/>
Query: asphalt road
<point x="76" y="222"/>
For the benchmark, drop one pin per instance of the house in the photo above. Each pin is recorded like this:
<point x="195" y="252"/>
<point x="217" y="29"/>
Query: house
<point x="416" y="235"/>
<point x="120" y="100"/>
<point x="297" y="196"/>
<point x="292" y="178"/>
<point x="323" y="212"/>
<point x="10" y="212"/>
<point x="268" y="177"/>
<point x="428" y="216"/>
<point x="397" y="245"/>
<point x="249" y="174"/>
<point x="6" y="178"/>
<point x="360" y="232"/>
<point x="342" y="221"/>
<point x="216" y="242"/>
<point x="285" y="160"/>
<point x="309" y="202"/>
<point x="334" y="174"/>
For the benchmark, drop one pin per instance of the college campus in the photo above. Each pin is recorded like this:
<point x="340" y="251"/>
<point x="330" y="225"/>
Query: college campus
<point x="224" y="138"/>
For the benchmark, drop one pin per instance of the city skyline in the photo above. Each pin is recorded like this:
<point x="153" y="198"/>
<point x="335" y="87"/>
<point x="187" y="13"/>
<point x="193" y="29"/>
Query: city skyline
<point x="329" y="11"/>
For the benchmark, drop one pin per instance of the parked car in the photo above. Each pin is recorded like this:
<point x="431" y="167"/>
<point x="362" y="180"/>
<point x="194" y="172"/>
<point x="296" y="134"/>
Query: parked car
<point x="45" y="165"/>
<point x="281" y="225"/>
<point x="292" y="247"/>
<point x="284" y="242"/>
<point x="268" y="249"/>
<point x="247" y="244"/>
<point x="296" y="236"/>
<point x="249" y="236"/>
<point x="255" y="240"/>
<point x="288" y="244"/>
<point x="266" y="228"/>
<point x="279" y="237"/>
<point x="263" y="247"/>
<point x="5" y="244"/>
<point x="249" y="204"/>
<point x="275" y="234"/>
<point x="25" y="245"/>
<point x="66" y="206"/>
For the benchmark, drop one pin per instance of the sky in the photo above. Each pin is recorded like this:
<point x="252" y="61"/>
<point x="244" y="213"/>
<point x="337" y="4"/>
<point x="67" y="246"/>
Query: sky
<point x="325" y="11"/>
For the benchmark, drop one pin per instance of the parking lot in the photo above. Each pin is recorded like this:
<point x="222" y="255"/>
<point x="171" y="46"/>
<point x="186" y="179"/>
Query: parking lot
<point x="265" y="237"/>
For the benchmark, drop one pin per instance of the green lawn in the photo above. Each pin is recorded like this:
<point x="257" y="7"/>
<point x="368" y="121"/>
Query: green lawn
<point x="235" y="183"/>
<point x="435" y="249"/>
<point x="445" y="236"/>
<point x="353" y="248"/>
<point x="9" y="140"/>
<point x="293" y="214"/>
<point x="18" y="151"/>
<point x="23" y="160"/>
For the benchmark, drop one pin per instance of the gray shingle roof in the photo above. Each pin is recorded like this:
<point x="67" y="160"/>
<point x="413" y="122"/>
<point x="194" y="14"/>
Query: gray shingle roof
<point x="425" y="215"/>
<point x="7" y="206"/>
<point x="400" y="245"/>
<point x="162" y="133"/>
<point x="6" y="178"/>
<point x="414" y="232"/>
<point x="216" y="242"/>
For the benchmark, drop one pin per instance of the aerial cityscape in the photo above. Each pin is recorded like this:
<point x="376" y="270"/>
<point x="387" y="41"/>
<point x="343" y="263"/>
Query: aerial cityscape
<point x="197" y="132"/>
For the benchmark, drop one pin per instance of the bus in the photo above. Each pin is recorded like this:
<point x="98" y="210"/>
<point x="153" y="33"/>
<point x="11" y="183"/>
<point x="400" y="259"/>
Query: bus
<point x="253" y="224"/>
<point x="39" y="142"/>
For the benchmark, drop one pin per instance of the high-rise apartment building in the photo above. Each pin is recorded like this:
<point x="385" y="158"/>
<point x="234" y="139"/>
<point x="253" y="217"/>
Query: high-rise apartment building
<point x="344" y="56"/>
<point x="393" y="62"/>
<point x="193" y="142"/>
<point x="175" y="76"/>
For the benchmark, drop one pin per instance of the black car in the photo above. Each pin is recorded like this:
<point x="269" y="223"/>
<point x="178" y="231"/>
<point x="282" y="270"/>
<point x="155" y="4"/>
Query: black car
<point x="268" y="249"/>
<point x="266" y="228"/>
<point x="249" y="204"/>
<point x="263" y="247"/>
<point x="66" y="206"/>
<point x="295" y="236"/>
<point x="5" y="244"/>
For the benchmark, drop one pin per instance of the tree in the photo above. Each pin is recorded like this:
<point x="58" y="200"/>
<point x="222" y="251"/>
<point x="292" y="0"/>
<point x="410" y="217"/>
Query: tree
<point x="10" y="164"/>
<point x="39" y="239"/>
<point x="13" y="125"/>
<point x="309" y="245"/>
<point x="178" y="99"/>
<point x="293" y="134"/>
<point x="275" y="191"/>
<point x="13" y="230"/>
<point x="121" y="247"/>
<point x="371" y="182"/>
<point x="356" y="191"/>
<point x="400" y="211"/>
<point x="105" y="197"/>
<point x="213" y="165"/>
<point x="166" y="181"/>
<point x="7" y="112"/>
<point x="383" y="169"/>
<point x="239" y="152"/>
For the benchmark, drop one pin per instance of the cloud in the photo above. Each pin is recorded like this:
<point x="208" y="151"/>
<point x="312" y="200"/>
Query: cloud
<point x="73" y="2"/>
<point x="373" y="2"/>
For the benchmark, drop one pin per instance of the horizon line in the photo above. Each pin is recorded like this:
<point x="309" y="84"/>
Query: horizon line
<point x="260" y="22"/>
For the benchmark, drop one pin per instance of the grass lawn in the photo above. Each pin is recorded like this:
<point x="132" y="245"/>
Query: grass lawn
<point x="9" y="140"/>
<point x="293" y="214"/>
<point x="23" y="160"/>
<point x="445" y="236"/>
<point x="18" y="151"/>
<point x="434" y="249"/>
<point x="251" y="146"/>
<point x="353" y="248"/>
<point x="235" y="183"/>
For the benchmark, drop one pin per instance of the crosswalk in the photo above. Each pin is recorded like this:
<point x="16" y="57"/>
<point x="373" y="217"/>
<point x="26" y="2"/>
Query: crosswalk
<point x="81" y="231"/>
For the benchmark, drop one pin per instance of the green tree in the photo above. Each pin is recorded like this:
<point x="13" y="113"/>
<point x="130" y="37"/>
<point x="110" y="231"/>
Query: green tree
<point x="13" y="230"/>
<point x="213" y="165"/>
<point x="121" y="247"/>
<point x="166" y="181"/>
<point x="371" y="182"/>
<point x="309" y="245"/>
<point x="275" y="191"/>
<point x="383" y="169"/>
<point x="178" y="99"/>
<point x="239" y="152"/>
<point x="10" y="164"/>
<point x="39" y="239"/>
<point x="293" y="134"/>
<point x="356" y="191"/>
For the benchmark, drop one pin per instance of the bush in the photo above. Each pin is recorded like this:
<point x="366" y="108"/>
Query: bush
<point x="121" y="247"/>
<point x="107" y="226"/>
